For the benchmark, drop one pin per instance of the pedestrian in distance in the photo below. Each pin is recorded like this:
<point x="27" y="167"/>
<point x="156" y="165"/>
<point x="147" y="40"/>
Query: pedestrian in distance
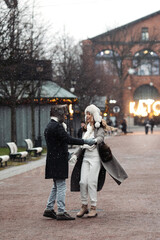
<point x="82" y="129"/>
<point x="116" y="124"/>
<point x="89" y="172"/>
<point x="109" y="123"/>
<point x="124" y="126"/>
<point x="152" y="123"/>
<point x="57" y="140"/>
<point x="146" y="125"/>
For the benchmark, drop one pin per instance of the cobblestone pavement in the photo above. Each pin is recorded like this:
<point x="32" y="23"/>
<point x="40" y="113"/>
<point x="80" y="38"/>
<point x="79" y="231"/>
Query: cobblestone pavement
<point x="130" y="211"/>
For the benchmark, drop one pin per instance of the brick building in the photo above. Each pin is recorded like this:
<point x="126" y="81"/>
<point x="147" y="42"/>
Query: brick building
<point x="126" y="64"/>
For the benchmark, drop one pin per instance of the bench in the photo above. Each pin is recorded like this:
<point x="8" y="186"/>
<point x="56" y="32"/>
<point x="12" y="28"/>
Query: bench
<point x="14" y="154"/>
<point x="37" y="150"/>
<point x="4" y="159"/>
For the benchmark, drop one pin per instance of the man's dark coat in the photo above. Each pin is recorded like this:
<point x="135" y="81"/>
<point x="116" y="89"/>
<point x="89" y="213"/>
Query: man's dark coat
<point x="57" y="141"/>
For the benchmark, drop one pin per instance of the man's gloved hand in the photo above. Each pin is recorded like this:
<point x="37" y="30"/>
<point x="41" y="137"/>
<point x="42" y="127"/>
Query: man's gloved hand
<point x="90" y="141"/>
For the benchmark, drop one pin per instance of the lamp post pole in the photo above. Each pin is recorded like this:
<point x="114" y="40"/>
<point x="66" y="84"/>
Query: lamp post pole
<point x="72" y="120"/>
<point x="39" y="138"/>
<point x="131" y="71"/>
<point x="39" y="121"/>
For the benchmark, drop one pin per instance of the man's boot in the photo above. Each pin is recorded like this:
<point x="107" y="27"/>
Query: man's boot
<point x="83" y="210"/>
<point x="92" y="213"/>
<point x="64" y="216"/>
<point x="50" y="213"/>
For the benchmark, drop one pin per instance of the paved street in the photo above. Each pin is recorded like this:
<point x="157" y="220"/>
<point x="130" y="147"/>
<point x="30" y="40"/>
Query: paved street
<point x="130" y="211"/>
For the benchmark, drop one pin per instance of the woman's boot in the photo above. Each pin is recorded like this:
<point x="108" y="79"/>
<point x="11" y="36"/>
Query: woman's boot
<point x="92" y="212"/>
<point x="83" y="210"/>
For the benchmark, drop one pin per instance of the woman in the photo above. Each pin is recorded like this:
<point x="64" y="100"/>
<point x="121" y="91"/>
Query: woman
<point x="88" y="175"/>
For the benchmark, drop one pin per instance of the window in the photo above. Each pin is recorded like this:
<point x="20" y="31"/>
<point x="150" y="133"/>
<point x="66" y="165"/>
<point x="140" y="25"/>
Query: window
<point x="106" y="60"/>
<point x="146" y="92"/>
<point x="146" y="63"/>
<point x="145" y="34"/>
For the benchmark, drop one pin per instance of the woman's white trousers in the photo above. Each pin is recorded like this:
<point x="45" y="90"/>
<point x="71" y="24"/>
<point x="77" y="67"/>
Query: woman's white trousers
<point x="89" y="177"/>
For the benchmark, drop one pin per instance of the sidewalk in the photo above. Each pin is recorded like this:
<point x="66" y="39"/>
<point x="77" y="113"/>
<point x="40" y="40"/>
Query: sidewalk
<point x="130" y="211"/>
<point x="16" y="170"/>
<point x="12" y="171"/>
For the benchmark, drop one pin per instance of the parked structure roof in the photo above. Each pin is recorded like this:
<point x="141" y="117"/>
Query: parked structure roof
<point x="53" y="90"/>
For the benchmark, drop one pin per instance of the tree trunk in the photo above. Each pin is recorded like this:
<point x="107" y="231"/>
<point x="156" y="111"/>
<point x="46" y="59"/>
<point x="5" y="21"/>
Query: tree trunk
<point x="13" y="123"/>
<point x="121" y="114"/>
<point x="33" y="122"/>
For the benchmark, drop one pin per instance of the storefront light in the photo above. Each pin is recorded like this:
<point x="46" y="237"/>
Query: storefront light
<point x="112" y="101"/>
<point x="142" y="110"/>
<point x="70" y="109"/>
<point x="156" y="108"/>
<point x="107" y="52"/>
<point x="145" y="107"/>
<point x="145" y="51"/>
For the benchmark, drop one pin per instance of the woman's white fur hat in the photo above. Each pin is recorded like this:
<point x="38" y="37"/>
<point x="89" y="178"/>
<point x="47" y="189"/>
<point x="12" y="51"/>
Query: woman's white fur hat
<point x="95" y="111"/>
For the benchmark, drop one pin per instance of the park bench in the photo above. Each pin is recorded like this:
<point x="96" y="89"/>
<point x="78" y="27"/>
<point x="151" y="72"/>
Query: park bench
<point x="4" y="159"/>
<point x="14" y="154"/>
<point x="36" y="150"/>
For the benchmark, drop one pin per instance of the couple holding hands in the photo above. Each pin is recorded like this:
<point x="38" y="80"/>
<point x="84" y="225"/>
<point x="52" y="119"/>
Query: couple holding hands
<point x="89" y="172"/>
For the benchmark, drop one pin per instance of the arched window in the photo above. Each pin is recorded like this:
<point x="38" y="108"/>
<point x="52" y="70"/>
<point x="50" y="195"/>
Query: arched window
<point x="108" y="59"/>
<point x="146" y="62"/>
<point x="146" y="92"/>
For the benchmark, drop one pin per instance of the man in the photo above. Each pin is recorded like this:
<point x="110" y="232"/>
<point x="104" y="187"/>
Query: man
<point x="57" y="141"/>
<point x="124" y="126"/>
<point x="146" y="125"/>
<point x="152" y="123"/>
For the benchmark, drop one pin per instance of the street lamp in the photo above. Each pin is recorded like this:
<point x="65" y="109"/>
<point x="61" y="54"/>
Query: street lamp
<point x="73" y="83"/>
<point x="131" y="71"/>
<point x="71" y="111"/>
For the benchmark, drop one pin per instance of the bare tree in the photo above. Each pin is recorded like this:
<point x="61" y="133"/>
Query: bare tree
<point x="71" y="70"/>
<point x="20" y="44"/>
<point x="65" y="55"/>
<point x="93" y="78"/>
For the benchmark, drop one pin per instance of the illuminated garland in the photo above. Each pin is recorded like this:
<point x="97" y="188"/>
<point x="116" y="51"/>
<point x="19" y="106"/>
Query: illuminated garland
<point x="40" y="101"/>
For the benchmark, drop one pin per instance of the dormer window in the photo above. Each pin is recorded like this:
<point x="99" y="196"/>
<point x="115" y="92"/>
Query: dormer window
<point x="145" y="34"/>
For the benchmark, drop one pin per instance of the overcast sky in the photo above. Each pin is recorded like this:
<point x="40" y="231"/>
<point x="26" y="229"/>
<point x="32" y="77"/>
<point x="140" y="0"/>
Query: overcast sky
<point x="84" y="19"/>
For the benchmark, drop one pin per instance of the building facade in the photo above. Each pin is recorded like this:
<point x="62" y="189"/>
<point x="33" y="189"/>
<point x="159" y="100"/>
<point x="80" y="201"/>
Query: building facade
<point x="126" y="62"/>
